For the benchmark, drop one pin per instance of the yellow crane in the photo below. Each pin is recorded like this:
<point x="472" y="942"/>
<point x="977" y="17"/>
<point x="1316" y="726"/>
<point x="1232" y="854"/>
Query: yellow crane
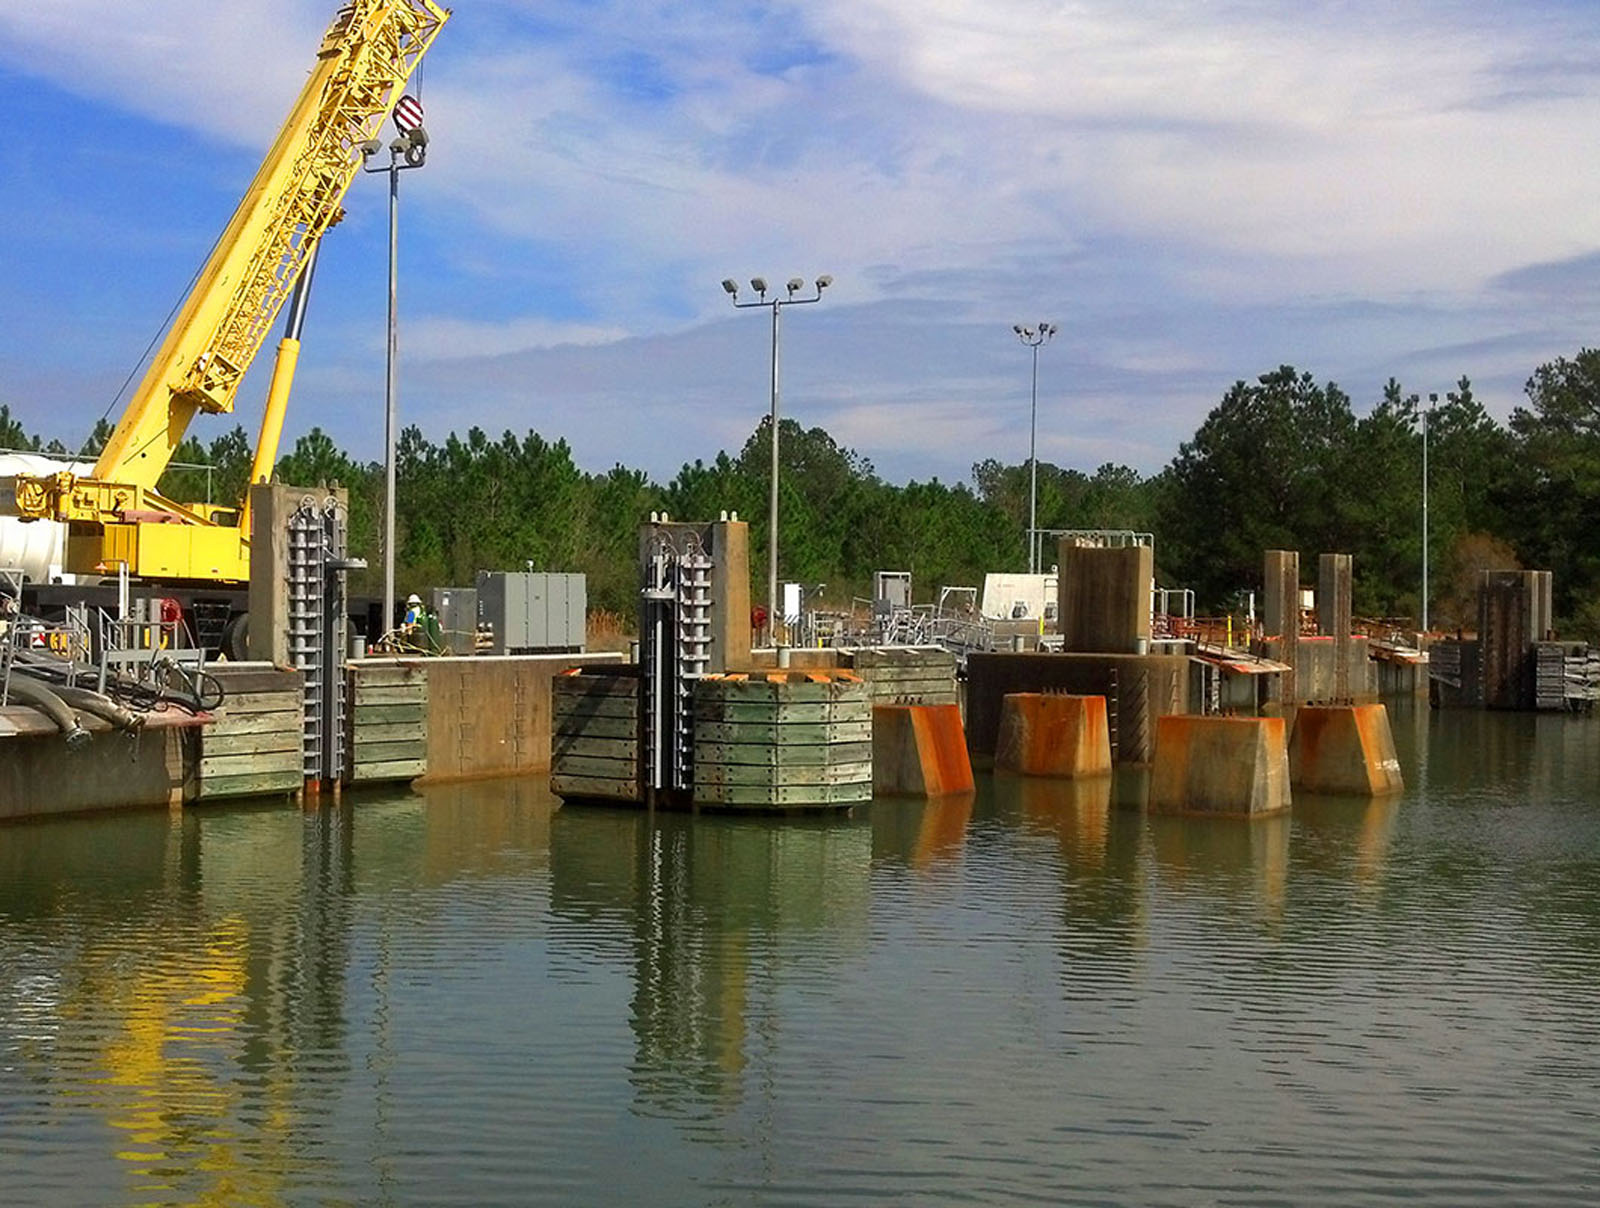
<point x="115" y="515"/>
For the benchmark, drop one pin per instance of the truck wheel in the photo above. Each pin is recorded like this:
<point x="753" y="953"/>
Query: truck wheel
<point x="236" y="637"/>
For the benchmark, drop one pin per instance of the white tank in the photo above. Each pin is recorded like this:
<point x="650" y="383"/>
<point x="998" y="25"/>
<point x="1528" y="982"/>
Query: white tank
<point x="35" y="546"/>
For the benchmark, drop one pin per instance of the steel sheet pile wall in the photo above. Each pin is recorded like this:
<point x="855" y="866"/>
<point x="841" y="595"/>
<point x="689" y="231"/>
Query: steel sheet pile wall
<point x="595" y="742"/>
<point x="388" y="726"/>
<point x="905" y="675"/>
<point x="255" y="743"/>
<point x="782" y="741"/>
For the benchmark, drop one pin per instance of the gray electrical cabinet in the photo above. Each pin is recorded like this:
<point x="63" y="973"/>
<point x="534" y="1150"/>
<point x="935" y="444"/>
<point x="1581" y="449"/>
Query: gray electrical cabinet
<point x="529" y="612"/>
<point x="457" y="610"/>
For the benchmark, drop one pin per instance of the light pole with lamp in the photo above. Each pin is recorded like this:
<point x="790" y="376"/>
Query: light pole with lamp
<point x="1033" y="337"/>
<point x="409" y="150"/>
<point x="1427" y="415"/>
<point x="777" y="303"/>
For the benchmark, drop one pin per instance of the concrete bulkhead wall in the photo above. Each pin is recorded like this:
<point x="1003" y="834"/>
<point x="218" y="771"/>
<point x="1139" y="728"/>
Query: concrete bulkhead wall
<point x="1317" y="676"/>
<point x="1138" y="689"/>
<point x="40" y="777"/>
<point x="492" y="716"/>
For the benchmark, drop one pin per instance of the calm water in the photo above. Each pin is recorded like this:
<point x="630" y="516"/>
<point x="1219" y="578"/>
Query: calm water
<point x="476" y="997"/>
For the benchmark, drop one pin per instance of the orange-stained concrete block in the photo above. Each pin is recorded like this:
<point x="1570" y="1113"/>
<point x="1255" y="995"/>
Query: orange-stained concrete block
<point x="1050" y="735"/>
<point x="1344" y="749"/>
<point x="1220" y="765"/>
<point x="919" y="751"/>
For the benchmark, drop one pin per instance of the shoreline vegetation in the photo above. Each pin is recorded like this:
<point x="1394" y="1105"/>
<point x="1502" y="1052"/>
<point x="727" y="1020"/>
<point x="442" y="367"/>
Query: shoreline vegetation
<point x="1280" y="462"/>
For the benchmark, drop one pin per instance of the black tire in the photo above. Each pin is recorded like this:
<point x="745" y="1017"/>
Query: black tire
<point x="236" y="637"/>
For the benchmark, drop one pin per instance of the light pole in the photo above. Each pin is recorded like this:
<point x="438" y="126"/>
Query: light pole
<point x="1427" y="414"/>
<point x="1033" y="337"/>
<point x="777" y="303"/>
<point x="409" y="150"/>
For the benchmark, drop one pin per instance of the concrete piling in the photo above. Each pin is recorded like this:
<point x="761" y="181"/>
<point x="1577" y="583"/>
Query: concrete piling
<point x="1043" y="734"/>
<point x="1220" y="765"/>
<point x="1345" y="750"/>
<point x="919" y="751"/>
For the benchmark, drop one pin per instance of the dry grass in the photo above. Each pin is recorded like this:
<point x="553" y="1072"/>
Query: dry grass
<point x="607" y="631"/>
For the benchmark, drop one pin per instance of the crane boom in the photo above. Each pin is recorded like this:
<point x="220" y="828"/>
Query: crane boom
<point x="363" y="63"/>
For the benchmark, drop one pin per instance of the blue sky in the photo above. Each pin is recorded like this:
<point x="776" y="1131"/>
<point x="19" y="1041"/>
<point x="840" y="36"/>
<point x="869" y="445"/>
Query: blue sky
<point x="1195" y="193"/>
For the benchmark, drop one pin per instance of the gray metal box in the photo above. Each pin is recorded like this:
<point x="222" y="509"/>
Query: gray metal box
<point x="533" y="611"/>
<point x="457" y="610"/>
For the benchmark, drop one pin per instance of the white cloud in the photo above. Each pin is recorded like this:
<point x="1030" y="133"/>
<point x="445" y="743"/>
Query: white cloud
<point x="1195" y="191"/>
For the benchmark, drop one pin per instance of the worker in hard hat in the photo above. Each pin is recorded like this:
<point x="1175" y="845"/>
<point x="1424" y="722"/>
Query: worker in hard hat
<point x="413" y="613"/>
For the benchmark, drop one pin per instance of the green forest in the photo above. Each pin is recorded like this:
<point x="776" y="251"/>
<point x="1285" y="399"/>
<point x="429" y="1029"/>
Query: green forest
<point x="1282" y="461"/>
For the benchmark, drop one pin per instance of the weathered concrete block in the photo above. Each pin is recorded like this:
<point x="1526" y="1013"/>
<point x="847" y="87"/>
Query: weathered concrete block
<point x="1344" y="749"/>
<point x="1104" y="597"/>
<point x="1220" y="765"/>
<point x="1049" y="735"/>
<point x="919" y="751"/>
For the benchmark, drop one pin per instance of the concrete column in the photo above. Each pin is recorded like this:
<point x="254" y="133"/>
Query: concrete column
<point x="730" y="596"/>
<point x="1280" y="612"/>
<point x="1344" y="749"/>
<point x="271" y="505"/>
<point x="1104" y="598"/>
<point x="1334" y="574"/>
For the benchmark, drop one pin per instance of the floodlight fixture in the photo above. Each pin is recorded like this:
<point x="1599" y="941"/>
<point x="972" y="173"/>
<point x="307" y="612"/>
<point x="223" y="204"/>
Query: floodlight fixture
<point x="731" y="287"/>
<point x="759" y="284"/>
<point x="794" y="284"/>
<point x="823" y="282"/>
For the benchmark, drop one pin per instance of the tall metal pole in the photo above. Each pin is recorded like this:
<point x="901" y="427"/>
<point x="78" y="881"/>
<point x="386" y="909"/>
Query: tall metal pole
<point x="389" y="396"/>
<point x="1426" y="415"/>
<point x="773" y="602"/>
<point x="1033" y="469"/>
<point x="777" y="302"/>
<point x="1033" y="337"/>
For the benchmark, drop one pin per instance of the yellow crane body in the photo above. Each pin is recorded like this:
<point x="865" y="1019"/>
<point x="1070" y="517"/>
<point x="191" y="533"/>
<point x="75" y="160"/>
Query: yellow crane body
<point x="116" y="515"/>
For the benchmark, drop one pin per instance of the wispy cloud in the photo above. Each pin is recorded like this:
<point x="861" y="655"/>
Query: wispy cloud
<point x="1195" y="191"/>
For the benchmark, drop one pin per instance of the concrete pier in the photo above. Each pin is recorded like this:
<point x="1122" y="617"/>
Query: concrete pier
<point x="1052" y="735"/>
<point x="1344" y="750"/>
<point x="919" y="751"/>
<point x="1220" y="765"/>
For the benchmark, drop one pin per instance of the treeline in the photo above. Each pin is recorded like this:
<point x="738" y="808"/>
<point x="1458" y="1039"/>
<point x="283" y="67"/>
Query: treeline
<point x="1280" y="462"/>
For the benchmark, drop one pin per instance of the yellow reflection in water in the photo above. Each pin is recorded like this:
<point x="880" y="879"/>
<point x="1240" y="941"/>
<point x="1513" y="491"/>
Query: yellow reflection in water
<point x="165" y="1083"/>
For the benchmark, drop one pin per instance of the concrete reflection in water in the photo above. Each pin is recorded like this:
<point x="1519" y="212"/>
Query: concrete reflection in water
<point x="708" y="906"/>
<point x="921" y="833"/>
<point x="1036" y="993"/>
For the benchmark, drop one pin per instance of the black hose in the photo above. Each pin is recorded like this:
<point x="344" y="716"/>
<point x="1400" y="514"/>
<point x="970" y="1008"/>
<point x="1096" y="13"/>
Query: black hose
<point x="36" y="693"/>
